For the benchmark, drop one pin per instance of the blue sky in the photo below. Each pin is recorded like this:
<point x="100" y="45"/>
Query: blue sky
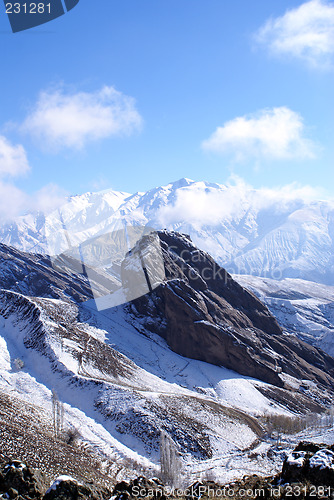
<point x="133" y="94"/>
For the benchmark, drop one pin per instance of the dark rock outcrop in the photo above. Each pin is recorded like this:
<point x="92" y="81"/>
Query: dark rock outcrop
<point x="69" y="489"/>
<point x="38" y="276"/>
<point x="309" y="462"/>
<point x="141" y="486"/>
<point x="204" y="314"/>
<point x="18" y="479"/>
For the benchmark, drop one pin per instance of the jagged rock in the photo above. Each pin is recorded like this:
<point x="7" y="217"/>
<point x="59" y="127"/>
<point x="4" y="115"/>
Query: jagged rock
<point x="13" y="493"/>
<point x="309" y="446"/>
<point x="16" y="478"/>
<point x="204" y="314"/>
<point x="120" y="487"/>
<point x="19" y="481"/>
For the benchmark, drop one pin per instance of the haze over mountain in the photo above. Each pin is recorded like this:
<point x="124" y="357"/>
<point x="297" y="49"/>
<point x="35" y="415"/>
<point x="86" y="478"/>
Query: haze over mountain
<point x="301" y="307"/>
<point x="262" y="232"/>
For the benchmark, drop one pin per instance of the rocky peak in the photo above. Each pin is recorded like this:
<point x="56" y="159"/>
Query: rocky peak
<point x="204" y="314"/>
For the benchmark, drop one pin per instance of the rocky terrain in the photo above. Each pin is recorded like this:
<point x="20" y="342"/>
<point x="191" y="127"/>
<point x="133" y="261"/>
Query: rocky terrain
<point x="35" y="276"/>
<point x="307" y="472"/>
<point x="309" y="462"/>
<point x="27" y="433"/>
<point x="17" y="480"/>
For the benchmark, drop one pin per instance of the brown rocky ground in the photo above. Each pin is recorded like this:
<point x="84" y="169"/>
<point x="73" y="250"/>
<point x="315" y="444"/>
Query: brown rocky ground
<point x="26" y="434"/>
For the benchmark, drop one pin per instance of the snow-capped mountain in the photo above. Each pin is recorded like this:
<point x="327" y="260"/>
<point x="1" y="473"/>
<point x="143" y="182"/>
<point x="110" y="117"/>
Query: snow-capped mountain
<point x="83" y="214"/>
<point x="273" y="234"/>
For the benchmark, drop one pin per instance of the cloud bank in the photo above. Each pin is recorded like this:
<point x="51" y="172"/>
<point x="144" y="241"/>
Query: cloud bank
<point x="200" y="206"/>
<point x="305" y="33"/>
<point x="13" y="163"/>
<point x="69" y="121"/>
<point x="14" y="201"/>
<point x="273" y="134"/>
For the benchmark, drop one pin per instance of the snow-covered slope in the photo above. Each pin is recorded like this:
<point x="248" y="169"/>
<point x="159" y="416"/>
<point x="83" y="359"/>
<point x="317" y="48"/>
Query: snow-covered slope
<point x="274" y="234"/>
<point x="301" y="307"/>
<point x="119" y="388"/>
<point x="117" y="404"/>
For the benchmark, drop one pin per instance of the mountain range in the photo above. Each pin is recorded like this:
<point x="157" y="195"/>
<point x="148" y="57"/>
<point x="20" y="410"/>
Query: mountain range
<point x="301" y="307"/>
<point x="279" y="237"/>
<point x="272" y="234"/>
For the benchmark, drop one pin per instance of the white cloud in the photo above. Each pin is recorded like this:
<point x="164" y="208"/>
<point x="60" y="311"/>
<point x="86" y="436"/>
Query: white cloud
<point x="14" y="201"/>
<point x="276" y="133"/>
<point x="306" y="32"/>
<point x="199" y="205"/>
<point x="13" y="163"/>
<point x="13" y="159"/>
<point x="62" y="120"/>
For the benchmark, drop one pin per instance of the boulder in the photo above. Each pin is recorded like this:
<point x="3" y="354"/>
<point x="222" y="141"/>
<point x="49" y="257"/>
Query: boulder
<point x="16" y="478"/>
<point x="139" y="487"/>
<point x="67" y="488"/>
<point x="309" y="462"/>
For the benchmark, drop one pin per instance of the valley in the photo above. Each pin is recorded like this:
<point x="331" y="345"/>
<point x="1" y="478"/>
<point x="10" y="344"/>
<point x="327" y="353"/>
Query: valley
<point x="117" y="378"/>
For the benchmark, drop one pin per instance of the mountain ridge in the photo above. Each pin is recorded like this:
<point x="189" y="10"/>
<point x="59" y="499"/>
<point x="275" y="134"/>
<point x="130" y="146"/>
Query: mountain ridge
<point x="204" y="314"/>
<point x="269" y="233"/>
